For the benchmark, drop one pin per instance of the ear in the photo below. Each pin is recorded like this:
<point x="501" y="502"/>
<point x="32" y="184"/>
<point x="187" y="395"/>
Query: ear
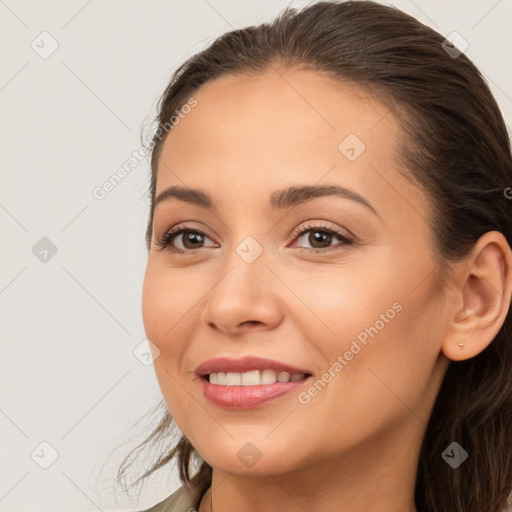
<point x="481" y="297"/>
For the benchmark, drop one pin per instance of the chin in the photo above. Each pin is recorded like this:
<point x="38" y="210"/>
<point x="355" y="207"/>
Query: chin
<point x="254" y="458"/>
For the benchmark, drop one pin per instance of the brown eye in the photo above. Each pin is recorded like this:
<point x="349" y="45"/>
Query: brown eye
<point x="181" y="240"/>
<point x="319" y="239"/>
<point x="192" y="239"/>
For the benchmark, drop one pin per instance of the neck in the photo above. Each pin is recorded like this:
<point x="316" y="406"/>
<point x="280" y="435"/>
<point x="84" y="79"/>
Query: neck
<point x="378" y="476"/>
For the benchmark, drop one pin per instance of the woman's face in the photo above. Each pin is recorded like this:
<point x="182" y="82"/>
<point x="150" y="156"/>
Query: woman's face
<point x="362" y="318"/>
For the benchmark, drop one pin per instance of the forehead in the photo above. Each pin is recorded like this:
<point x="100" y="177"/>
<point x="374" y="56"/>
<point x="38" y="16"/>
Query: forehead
<point x="282" y="109"/>
<point x="259" y="132"/>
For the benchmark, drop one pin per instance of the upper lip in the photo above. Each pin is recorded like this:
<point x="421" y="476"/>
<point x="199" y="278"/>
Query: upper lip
<point x="245" y="364"/>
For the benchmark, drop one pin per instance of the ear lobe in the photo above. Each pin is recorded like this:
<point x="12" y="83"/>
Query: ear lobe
<point x="484" y="289"/>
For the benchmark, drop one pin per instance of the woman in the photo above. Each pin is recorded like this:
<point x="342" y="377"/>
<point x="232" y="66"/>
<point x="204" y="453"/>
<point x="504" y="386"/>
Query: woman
<point x="329" y="276"/>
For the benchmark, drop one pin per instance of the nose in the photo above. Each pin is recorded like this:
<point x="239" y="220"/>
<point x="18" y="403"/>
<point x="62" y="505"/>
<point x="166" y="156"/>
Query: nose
<point x="244" y="298"/>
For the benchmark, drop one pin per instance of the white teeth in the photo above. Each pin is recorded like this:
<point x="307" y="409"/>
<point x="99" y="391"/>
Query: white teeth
<point x="253" y="378"/>
<point x="268" y="377"/>
<point x="233" y="379"/>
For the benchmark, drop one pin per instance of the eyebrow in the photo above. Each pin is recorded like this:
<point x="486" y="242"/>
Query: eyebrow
<point x="279" y="199"/>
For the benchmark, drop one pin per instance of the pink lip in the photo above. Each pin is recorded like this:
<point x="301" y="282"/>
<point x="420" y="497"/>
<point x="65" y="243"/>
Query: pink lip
<point x="246" y="397"/>
<point x="245" y="364"/>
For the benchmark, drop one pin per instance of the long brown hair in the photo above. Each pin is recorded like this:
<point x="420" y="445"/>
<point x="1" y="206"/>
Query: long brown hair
<point x="456" y="148"/>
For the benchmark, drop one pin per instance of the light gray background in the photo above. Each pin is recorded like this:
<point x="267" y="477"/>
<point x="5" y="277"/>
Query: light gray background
<point x="68" y="374"/>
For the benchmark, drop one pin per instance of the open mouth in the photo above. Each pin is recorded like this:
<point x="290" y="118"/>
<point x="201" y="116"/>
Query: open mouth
<point x="249" y="382"/>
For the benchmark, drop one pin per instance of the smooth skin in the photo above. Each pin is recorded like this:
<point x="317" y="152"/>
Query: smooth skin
<point x="355" y="445"/>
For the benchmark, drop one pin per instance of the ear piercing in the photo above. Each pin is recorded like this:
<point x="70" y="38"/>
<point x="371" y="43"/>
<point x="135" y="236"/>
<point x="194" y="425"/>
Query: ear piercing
<point x="461" y="345"/>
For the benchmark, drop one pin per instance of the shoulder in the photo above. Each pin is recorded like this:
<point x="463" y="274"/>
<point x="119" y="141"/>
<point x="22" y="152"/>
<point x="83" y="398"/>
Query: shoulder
<point x="181" y="500"/>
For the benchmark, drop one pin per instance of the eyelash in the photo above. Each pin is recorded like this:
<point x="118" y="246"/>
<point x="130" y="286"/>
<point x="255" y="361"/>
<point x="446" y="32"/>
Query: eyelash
<point x="166" y="239"/>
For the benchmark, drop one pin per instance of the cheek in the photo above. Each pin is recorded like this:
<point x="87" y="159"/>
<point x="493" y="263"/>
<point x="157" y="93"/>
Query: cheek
<point x="161" y="312"/>
<point x="166" y="302"/>
<point x="334" y="303"/>
<point x="156" y="323"/>
<point x="389" y="354"/>
<point x="169" y="303"/>
<point x="382" y="325"/>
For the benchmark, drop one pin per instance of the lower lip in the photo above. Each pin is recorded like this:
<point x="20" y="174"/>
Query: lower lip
<point x="247" y="397"/>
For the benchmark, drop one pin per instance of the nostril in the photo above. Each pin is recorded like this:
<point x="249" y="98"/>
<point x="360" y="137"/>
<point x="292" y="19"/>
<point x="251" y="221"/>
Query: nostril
<point x="251" y="322"/>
